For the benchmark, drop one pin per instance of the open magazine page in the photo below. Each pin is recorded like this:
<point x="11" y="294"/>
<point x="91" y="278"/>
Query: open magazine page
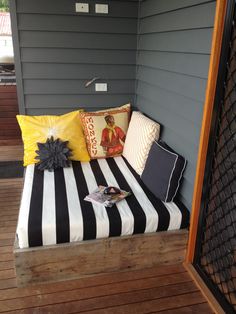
<point x="99" y="197"/>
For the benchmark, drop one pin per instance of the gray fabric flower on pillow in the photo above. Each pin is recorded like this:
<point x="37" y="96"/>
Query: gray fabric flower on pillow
<point x="53" y="154"/>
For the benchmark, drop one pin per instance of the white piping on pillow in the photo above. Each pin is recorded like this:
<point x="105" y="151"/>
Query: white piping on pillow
<point x="180" y="178"/>
<point x="172" y="172"/>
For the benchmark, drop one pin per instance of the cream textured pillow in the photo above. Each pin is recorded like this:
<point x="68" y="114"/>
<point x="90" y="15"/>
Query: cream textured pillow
<point x="141" y="133"/>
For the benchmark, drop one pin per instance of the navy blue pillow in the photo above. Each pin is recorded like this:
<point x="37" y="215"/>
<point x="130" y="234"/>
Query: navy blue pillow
<point x="163" y="171"/>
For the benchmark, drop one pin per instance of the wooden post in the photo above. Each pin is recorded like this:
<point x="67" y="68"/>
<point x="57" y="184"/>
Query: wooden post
<point x="206" y="123"/>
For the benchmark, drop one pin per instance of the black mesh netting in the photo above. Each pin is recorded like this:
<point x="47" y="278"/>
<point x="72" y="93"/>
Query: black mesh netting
<point x="218" y="247"/>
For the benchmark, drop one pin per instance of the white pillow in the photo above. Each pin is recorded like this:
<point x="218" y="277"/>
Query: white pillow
<point x="141" y="133"/>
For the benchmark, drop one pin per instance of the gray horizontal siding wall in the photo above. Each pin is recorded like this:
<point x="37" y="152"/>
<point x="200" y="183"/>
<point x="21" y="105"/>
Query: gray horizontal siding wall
<point x="58" y="50"/>
<point x="174" y="42"/>
<point x="162" y="71"/>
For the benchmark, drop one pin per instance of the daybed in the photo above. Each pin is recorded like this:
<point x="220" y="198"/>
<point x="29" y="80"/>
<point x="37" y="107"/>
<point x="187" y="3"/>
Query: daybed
<point x="60" y="236"/>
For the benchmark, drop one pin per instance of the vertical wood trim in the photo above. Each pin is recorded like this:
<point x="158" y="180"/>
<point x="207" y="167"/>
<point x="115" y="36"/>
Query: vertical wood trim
<point x="17" y="59"/>
<point x="206" y="124"/>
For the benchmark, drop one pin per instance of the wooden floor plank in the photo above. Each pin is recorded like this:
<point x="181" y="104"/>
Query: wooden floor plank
<point x="10" y="182"/>
<point x="7" y="223"/>
<point x="7" y="274"/>
<point x="9" y="217"/>
<point x="13" y="195"/>
<point x="10" y="189"/>
<point x="150" y="306"/>
<point x="7" y="283"/>
<point x="8" y="235"/>
<point x="6" y="249"/>
<point x="93" y="281"/>
<point x="10" y="204"/>
<point x="5" y="196"/>
<point x="11" y="201"/>
<point x="11" y="153"/>
<point x="10" y="142"/>
<point x="6" y="242"/>
<point x="7" y="229"/>
<point x="108" y="305"/>
<point x="6" y="257"/>
<point x="10" y="211"/>
<point x="93" y="298"/>
<point x="6" y="265"/>
<point x="5" y="186"/>
<point x="202" y="308"/>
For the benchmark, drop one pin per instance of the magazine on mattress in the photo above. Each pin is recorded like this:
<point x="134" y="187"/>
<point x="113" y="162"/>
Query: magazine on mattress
<point x="106" y="195"/>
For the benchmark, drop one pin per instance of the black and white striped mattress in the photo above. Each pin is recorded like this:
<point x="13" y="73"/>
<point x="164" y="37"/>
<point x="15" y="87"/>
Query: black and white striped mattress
<point x="53" y="209"/>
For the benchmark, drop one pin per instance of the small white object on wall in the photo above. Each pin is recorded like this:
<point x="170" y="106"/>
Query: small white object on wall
<point x="101" y="8"/>
<point x="101" y="87"/>
<point x="82" y="7"/>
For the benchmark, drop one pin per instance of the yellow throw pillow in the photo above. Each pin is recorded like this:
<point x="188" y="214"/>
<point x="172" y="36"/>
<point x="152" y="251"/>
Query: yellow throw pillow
<point x="67" y="127"/>
<point x="105" y="131"/>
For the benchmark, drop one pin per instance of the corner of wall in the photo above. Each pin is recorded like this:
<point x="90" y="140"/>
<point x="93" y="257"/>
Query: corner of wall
<point x="137" y="53"/>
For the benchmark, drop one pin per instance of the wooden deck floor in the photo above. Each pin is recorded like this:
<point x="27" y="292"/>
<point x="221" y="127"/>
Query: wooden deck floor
<point x="11" y="153"/>
<point x="167" y="289"/>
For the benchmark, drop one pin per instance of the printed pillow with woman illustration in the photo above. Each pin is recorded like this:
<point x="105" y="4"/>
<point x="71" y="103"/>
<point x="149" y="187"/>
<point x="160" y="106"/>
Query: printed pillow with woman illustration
<point x="105" y="131"/>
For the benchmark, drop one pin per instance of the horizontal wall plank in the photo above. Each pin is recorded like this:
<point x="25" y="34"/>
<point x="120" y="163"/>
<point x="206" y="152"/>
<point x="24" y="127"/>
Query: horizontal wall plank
<point x="187" y="18"/>
<point x="184" y="148"/>
<point x="84" y="24"/>
<point x="77" y="40"/>
<point x="76" y="101"/>
<point x="188" y="203"/>
<point x="185" y="181"/>
<point x="174" y="121"/>
<point x="174" y="140"/>
<point x="116" y="8"/>
<point x="180" y="132"/>
<point x="58" y="87"/>
<point x="189" y="109"/>
<point x="153" y="7"/>
<point x="187" y="153"/>
<point x="59" y="111"/>
<point x="186" y="193"/>
<point x="191" y="41"/>
<point x="88" y="56"/>
<point x="77" y="71"/>
<point x="189" y="64"/>
<point x="191" y="87"/>
<point x="189" y="174"/>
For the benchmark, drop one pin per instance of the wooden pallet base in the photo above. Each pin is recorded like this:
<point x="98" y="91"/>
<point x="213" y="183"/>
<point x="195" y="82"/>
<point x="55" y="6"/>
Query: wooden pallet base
<point x="86" y="258"/>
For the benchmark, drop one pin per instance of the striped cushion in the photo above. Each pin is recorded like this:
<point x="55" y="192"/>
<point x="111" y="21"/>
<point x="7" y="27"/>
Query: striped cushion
<point x="141" y="133"/>
<point x="53" y="209"/>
